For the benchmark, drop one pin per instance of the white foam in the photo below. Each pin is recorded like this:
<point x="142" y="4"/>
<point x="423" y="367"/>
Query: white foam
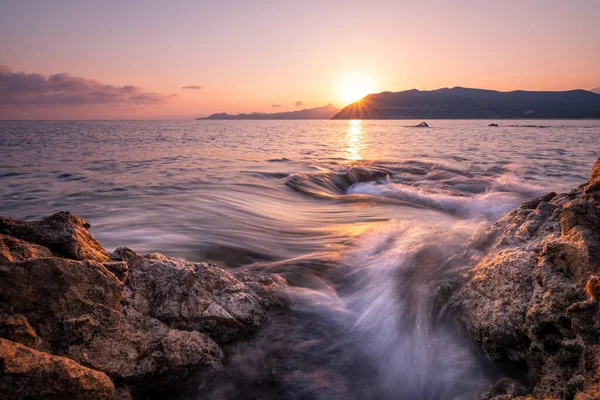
<point x="492" y="204"/>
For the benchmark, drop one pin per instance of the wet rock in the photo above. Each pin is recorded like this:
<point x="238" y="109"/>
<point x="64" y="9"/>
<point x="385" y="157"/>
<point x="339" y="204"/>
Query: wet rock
<point x="65" y="234"/>
<point x="524" y="295"/>
<point x="422" y="125"/>
<point x="27" y="374"/>
<point x="493" y="124"/>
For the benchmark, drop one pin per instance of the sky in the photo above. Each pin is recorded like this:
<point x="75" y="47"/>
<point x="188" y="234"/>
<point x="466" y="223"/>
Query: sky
<point x="156" y="59"/>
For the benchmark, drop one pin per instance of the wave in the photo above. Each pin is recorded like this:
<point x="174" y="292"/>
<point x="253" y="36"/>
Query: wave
<point x="374" y="329"/>
<point x="468" y="194"/>
<point x="488" y="205"/>
<point x="332" y="184"/>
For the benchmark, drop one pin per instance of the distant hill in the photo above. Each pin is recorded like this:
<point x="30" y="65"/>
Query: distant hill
<point x="325" y="112"/>
<point x="597" y="90"/>
<point x="461" y="102"/>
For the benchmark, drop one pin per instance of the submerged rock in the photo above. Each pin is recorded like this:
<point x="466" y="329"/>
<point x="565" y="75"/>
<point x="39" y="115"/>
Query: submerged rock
<point x="524" y="295"/>
<point x="143" y="320"/>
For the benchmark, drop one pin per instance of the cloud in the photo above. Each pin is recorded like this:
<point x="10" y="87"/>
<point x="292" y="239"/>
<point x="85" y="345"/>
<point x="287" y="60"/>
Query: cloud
<point x="276" y="105"/>
<point x="18" y="88"/>
<point x="298" y="103"/>
<point x="192" y="87"/>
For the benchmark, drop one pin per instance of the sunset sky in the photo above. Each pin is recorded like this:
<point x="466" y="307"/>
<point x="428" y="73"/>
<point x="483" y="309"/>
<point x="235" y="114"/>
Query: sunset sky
<point x="132" y="59"/>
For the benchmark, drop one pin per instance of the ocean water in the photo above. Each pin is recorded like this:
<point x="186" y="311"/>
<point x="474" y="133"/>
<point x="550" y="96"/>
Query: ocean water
<point x="358" y="216"/>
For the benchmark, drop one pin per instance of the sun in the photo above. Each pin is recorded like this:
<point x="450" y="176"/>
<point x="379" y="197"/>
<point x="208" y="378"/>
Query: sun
<point x="355" y="86"/>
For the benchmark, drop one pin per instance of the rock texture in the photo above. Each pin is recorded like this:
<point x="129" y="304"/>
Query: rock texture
<point x="65" y="234"/>
<point x="524" y="297"/>
<point x="28" y="373"/>
<point x="143" y="320"/>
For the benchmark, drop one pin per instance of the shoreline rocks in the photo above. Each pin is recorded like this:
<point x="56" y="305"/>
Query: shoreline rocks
<point x="141" y="321"/>
<point x="524" y="298"/>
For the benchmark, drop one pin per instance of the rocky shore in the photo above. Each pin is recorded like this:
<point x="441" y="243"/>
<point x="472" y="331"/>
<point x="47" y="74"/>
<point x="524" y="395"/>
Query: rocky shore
<point x="527" y="295"/>
<point x="78" y="322"/>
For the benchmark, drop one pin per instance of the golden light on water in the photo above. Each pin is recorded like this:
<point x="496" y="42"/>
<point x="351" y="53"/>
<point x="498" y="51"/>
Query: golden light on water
<point x="354" y="140"/>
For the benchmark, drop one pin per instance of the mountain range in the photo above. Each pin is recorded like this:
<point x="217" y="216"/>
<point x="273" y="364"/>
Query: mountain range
<point x="325" y="112"/>
<point x="459" y="102"/>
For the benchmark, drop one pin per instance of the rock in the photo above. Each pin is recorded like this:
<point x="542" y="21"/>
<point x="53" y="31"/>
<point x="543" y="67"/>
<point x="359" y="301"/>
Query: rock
<point x="17" y="328"/>
<point x="13" y="249"/>
<point x="593" y="186"/>
<point x="505" y="389"/>
<point x="120" y="269"/>
<point x="493" y="125"/>
<point x="74" y="306"/>
<point x="422" y="125"/>
<point x="146" y="321"/>
<point x="143" y="351"/>
<point x="197" y="296"/>
<point x="524" y="295"/>
<point x="65" y="234"/>
<point x="27" y="373"/>
<point x="49" y="292"/>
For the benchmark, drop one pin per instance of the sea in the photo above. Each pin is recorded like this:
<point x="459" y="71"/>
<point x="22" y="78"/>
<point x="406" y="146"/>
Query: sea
<point x="359" y="217"/>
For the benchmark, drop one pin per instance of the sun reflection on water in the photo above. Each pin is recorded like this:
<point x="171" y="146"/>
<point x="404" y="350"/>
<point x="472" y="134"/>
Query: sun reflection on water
<point x="354" y="137"/>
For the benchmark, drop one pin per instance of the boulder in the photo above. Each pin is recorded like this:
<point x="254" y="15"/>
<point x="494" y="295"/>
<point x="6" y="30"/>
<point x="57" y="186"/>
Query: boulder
<point x="523" y="296"/>
<point x="13" y="249"/>
<point x="26" y="373"/>
<point x="143" y="320"/>
<point x="65" y="234"/>
<point x="198" y="296"/>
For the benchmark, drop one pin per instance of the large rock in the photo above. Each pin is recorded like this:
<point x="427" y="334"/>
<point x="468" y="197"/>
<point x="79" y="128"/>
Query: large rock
<point x="30" y="374"/>
<point x="197" y="296"/>
<point x="524" y="295"/>
<point x="144" y="320"/>
<point x="66" y="234"/>
<point x="13" y="249"/>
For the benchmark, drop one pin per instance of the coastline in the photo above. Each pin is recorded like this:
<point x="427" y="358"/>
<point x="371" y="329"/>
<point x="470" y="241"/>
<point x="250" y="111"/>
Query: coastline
<point x="118" y="325"/>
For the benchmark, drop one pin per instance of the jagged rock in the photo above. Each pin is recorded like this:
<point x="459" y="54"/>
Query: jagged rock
<point x="197" y="296"/>
<point x="13" y="249"/>
<point x="50" y="292"/>
<point x="65" y="234"/>
<point x="119" y="268"/>
<point x="144" y="351"/>
<point x="27" y="374"/>
<point x="144" y="320"/>
<point x="524" y="294"/>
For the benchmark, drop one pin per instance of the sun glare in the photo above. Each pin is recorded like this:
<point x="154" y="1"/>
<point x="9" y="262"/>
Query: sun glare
<point x="355" y="86"/>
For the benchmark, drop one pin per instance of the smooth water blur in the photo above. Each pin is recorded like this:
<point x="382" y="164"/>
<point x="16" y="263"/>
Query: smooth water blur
<point x="359" y="216"/>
